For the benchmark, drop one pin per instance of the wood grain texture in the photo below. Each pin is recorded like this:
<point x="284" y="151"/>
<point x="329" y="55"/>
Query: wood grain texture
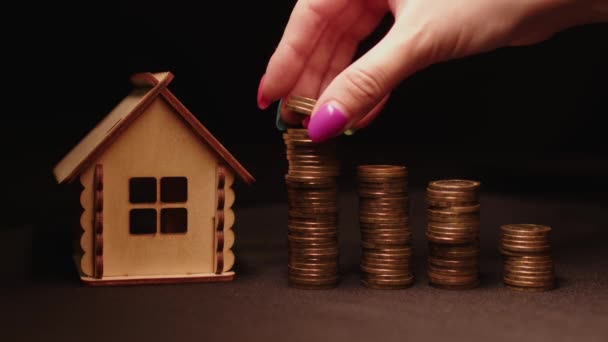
<point x="98" y="225"/>
<point x="106" y="131"/>
<point x="208" y="137"/>
<point x="164" y="146"/>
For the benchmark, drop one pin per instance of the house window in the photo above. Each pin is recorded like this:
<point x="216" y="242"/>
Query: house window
<point x="173" y="189"/>
<point x="148" y="213"/>
<point x="142" y="190"/>
<point x="143" y="221"/>
<point x="173" y="220"/>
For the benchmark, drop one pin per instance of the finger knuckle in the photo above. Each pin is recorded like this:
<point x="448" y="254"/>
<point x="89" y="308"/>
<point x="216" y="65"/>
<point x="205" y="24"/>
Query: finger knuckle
<point x="317" y="9"/>
<point x="365" y="85"/>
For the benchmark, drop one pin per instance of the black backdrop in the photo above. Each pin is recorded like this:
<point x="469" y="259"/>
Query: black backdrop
<point x="503" y="112"/>
<point x="524" y="121"/>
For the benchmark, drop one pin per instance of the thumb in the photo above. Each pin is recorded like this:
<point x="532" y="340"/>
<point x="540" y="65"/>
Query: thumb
<point x="364" y="84"/>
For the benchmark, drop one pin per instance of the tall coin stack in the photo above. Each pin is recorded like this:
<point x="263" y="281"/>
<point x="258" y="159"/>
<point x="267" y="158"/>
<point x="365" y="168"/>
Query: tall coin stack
<point x="385" y="233"/>
<point x="313" y="210"/>
<point x="527" y="250"/>
<point x="453" y="233"/>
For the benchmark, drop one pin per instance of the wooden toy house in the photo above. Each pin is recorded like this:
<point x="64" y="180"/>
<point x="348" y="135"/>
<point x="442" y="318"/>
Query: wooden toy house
<point x="157" y="193"/>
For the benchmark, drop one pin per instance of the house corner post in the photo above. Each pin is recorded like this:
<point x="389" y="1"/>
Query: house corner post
<point x="219" y="220"/>
<point x="98" y="221"/>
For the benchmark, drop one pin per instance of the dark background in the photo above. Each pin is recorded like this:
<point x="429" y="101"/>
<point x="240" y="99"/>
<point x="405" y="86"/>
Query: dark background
<point x="528" y="122"/>
<point x="516" y="117"/>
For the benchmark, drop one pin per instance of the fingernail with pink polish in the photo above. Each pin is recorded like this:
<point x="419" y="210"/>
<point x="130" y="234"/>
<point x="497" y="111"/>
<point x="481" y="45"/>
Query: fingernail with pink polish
<point x="326" y="123"/>
<point x="263" y="102"/>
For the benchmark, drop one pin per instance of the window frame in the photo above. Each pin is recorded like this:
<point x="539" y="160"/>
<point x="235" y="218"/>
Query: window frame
<point x="160" y="206"/>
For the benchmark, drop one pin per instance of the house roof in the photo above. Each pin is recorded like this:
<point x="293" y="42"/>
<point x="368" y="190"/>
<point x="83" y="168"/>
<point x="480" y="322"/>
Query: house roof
<point x="148" y="87"/>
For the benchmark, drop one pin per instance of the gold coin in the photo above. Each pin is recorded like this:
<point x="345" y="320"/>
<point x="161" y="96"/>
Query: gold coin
<point x="385" y="271"/>
<point x="463" y="271"/>
<point x="395" y="262"/>
<point x="452" y="280"/>
<point x="387" y="232"/>
<point x="306" y="204"/>
<point x="303" y="99"/>
<point x="526" y="229"/>
<point x="382" y="220"/>
<point x="307" y="231"/>
<point x="521" y="248"/>
<point x="452" y="201"/>
<point x="473" y="195"/>
<point x="318" y="274"/>
<point x="313" y="235"/>
<point x="302" y="102"/>
<point x="457" y="234"/>
<point x="461" y="209"/>
<point x="449" y="239"/>
<point x="450" y="214"/>
<point x="531" y="268"/>
<point x="446" y="252"/>
<point x="381" y="170"/>
<point x="383" y="203"/>
<point x="522" y="283"/>
<point x="384" y="283"/>
<point x="455" y="185"/>
<point x="453" y="230"/>
<point x="531" y="289"/>
<point x="403" y="225"/>
<point x="525" y="239"/>
<point x="469" y="262"/>
<point x="400" y="265"/>
<point x="382" y="255"/>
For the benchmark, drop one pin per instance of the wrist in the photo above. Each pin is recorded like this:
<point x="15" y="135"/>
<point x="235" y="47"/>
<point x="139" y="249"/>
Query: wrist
<point x="598" y="11"/>
<point x="540" y="19"/>
<point x="568" y="13"/>
<point x="585" y="11"/>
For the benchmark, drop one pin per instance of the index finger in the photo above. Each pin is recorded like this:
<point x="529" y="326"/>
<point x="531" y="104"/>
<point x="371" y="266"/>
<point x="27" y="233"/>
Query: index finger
<point x="307" y="23"/>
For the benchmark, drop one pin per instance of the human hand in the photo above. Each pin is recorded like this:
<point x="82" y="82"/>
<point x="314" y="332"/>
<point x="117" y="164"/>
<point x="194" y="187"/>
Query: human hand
<point x="314" y="56"/>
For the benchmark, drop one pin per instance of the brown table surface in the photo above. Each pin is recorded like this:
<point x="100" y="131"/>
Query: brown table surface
<point x="42" y="299"/>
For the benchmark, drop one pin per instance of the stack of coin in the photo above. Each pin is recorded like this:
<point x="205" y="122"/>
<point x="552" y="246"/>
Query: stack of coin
<point x="527" y="251"/>
<point x="453" y="233"/>
<point x="300" y="104"/>
<point x="385" y="233"/>
<point x="313" y="211"/>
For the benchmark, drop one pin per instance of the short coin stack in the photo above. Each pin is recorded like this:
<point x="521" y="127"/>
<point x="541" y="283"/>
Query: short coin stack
<point x="385" y="234"/>
<point x="313" y="211"/>
<point x="453" y="233"/>
<point x="528" y="263"/>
